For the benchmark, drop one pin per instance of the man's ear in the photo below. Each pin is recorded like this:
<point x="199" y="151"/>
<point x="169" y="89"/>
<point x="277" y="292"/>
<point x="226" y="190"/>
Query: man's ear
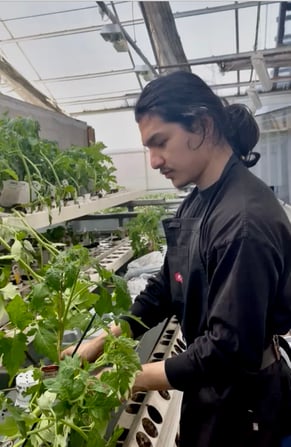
<point x="203" y="126"/>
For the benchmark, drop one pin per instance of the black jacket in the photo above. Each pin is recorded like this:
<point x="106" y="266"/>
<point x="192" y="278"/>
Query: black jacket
<point x="230" y="308"/>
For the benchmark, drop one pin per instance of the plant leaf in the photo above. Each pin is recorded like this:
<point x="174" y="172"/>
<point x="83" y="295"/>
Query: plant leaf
<point x="18" y="312"/>
<point x="16" y="250"/>
<point x="103" y="305"/>
<point x="45" y="343"/>
<point x="54" y="278"/>
<point x="8" y="427"/>
<point x="38" y="294"/>
<point x="13" y="350"/>
<point x="10" y="173"/>
<point x="121" y="297"/>
<point x="4" y="276"/>
<point x="28" y="246"/>
<point x="9" y="291"/>
<point x="71" y="275"/>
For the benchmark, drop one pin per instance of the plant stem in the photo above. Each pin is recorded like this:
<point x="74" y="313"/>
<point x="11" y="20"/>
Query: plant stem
<point x="68" y="306"/>
<point x="63" y="317"/>
<point x="74" y="427"/>
<point x="60" y="333"/>
<point x="71" y="425"/>
<point x="52" y="168"/>
<point x="29" y="433"/>
<point x="33" y="165"/>
<point x="36" y="235"/>
<point x="22" y="262"/>
<point x="22" y="158"/>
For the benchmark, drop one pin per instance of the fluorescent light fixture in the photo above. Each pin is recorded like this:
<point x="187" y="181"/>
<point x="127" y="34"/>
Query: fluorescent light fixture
<point x="120" y="45"/>
<point x="259" y="65"/>
<point x="112" y="33"/>
<point x="254" y="98"/>
<point x="145" y="72"/>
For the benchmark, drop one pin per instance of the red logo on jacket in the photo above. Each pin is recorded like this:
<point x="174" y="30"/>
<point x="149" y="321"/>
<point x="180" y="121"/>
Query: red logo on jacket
<point x="178" y="277"/>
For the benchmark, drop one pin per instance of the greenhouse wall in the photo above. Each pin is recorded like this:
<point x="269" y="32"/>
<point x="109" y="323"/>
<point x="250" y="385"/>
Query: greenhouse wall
<point x="274" y="145"/>
<point x="274" y="167"/>
<point x="54" y="126"/>
<point x="135" y="172"/>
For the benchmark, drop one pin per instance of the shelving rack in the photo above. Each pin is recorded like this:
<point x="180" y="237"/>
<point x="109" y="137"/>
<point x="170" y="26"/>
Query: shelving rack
<point x="138" y="427"/>
<point x="41" y="219"/>
<point x="152" y="418"/>
<point x="112" y="258"/>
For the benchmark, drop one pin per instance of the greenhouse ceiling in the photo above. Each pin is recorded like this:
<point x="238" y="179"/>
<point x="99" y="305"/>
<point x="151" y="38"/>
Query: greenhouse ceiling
<point x="87" y="58"/>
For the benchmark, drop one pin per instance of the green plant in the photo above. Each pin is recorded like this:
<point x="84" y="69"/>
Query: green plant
<point x="72" y="409"/>
<point x="25" y="157"/>
<point x="87" y="167"/>
<point x="59" y="175"/>
<point x="144" y="231"/>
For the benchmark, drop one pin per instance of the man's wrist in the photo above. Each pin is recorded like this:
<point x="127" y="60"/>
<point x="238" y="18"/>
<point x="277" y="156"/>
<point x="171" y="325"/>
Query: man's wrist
<point x="152" y="377"/>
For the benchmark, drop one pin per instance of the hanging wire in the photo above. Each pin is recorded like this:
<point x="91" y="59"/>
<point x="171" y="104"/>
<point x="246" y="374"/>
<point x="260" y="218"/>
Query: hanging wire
<point x="266" y="25"/>
<point x="256" y="35"/>
<point x="84" y="334"/>
<point x="237" y="45"/>
<point x="128" y="49"/>
<point x="132" y="18"/>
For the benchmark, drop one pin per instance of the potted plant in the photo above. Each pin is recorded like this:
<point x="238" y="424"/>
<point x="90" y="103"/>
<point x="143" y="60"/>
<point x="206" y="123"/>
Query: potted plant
<point x="144" y="231"/>
<point x="23" y="174"/>
<point x="60" y="176"/>
<point x="90" y="169"/>
<point x="73" y="408"/>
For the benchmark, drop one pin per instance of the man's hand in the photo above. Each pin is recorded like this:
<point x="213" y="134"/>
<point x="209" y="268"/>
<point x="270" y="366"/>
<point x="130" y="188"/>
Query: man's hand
<point x="90" y="350"/>
<point x="151" y="377"/>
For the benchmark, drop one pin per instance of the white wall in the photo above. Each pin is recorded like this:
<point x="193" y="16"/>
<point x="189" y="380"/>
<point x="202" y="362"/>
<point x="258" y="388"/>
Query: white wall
<point x="273" y="164"/>
<point x="134" y="170"/>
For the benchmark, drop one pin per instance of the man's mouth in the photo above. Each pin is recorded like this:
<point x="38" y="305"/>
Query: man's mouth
<point x="166" y="173"/>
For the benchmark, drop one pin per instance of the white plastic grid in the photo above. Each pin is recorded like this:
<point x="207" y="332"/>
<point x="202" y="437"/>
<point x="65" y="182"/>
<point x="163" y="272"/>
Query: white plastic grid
<point x="152" y="419"/>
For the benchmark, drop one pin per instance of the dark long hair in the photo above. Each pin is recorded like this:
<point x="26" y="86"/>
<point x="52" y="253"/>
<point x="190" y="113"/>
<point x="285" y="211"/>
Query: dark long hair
<point x="184" y="98"/>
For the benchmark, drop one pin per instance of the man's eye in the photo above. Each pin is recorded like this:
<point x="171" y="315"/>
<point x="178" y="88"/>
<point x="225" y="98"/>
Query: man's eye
<point x="162" y="143"/>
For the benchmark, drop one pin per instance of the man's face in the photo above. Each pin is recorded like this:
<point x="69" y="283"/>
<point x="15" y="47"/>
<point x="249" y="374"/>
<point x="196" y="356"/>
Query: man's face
<point x="173" y="150"/>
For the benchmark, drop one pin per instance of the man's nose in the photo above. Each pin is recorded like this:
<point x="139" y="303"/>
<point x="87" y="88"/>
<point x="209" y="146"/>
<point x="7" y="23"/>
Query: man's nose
<point x="155" y="159"/>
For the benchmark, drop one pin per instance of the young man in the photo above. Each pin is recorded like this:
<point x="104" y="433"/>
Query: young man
<point x="230" y="247"/>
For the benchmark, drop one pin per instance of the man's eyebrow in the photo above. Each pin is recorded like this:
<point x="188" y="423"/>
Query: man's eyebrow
<point x="152" y="139"/>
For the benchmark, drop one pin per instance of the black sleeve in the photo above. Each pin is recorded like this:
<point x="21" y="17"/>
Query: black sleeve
<point x="152" y="305"/>
<point x="241" y="296"/>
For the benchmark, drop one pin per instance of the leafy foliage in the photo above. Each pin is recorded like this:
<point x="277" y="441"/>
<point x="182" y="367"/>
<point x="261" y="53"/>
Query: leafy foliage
<point x="74" y="408"/>
<point x="144" y="232"/>
<point x="52" y="174"/>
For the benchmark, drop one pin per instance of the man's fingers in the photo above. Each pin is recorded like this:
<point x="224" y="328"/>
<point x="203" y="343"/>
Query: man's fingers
<point x="67" y="352"/>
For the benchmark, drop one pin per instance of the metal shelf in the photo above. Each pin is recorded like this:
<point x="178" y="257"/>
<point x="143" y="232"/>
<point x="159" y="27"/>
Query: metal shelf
<point x="40" y="219"/>
<point x="114" y="258"/>
<point x="118" y="257"/>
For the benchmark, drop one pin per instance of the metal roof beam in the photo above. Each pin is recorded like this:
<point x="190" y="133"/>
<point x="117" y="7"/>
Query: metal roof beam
<point x="164" y="37"/>
<point x="215" y="9"/>
<point x="128" y="108"/>
<point x="132" y="43"/>
<point x="135" y="95"/>
<point x="242" y="61"/>
<point x="79" y="77"/>
<point x="125" y="23"/>
<point x="242" y="58"/>
<point x="24" y="88"/>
